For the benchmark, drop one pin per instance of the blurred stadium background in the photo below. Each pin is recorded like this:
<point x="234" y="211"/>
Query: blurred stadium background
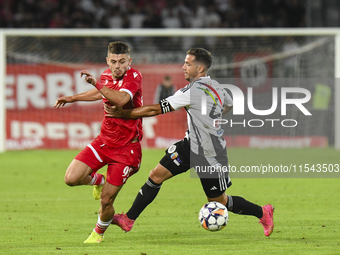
<point x="258" y="44"/>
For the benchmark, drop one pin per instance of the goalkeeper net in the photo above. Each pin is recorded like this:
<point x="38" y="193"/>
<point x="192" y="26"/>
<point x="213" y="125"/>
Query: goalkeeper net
<point x="40" y="68"/>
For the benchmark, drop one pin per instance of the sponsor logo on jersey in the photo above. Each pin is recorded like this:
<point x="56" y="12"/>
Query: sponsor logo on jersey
<point x="220" y="132"/>
<point x="176" y="162"/>
<point x="179" y="159"/>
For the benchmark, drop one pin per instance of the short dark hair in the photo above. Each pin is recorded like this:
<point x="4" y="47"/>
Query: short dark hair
<point x="202" y="56"/>
<point x="118" y="48"/>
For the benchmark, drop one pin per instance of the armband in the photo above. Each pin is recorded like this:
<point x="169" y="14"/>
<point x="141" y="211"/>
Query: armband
<point x="165" y="106"/>
<point x="99" y="85"/>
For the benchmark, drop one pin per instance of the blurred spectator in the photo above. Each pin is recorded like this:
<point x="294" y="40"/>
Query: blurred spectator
<point x="152" y="13"/>
<point x="223" y="5"/>
<point x="196" y="19"/>
<point x="171" y="20"/>
<point x="212" y="18"/>
<point x="152" y="20"/>
<point x="110" y="3"/>
<point x="19" y="15"/>
<point x="56" y="21"/>
<point x="181" y="8"/>
<point x="99" y="13"/>
<point x="159" y="5"/>
<point x="115" y="17"/>
<point x="87" y="6"/>
<point x="164" y="89"/>
<point x="136" y="18"/>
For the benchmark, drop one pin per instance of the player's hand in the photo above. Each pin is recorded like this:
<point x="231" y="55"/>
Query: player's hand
<point x="113" y="111"/>
<point x="88" y="77"/>
<point x="62" y="101"/>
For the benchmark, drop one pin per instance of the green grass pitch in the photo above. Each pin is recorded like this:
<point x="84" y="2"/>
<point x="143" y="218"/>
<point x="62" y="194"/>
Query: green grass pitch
<point x="39" y="214"/>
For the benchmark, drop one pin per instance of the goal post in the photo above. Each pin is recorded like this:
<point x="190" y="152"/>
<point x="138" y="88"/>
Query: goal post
<point x="337" y="92"/>
<point x="2" y="91"/>
<point x="49" y="60"/>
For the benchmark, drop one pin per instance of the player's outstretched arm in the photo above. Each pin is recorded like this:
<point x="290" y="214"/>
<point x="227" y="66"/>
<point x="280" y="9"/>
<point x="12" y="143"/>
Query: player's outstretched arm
<point x="134" y="113"/>
<point x="118" y="98"/>
<point x="91" y="95"/>
<point x="62" y="101"/>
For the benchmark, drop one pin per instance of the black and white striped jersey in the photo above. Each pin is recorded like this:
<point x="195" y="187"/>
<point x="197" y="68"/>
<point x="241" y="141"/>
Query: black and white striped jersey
<point x="204" y="100"/>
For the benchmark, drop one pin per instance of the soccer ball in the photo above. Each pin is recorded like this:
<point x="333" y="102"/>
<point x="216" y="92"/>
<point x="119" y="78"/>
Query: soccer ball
<point x="213" y="216"/>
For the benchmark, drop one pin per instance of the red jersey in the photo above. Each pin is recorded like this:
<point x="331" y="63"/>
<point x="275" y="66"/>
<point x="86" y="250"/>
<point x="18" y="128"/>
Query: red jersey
<point x="119" y="132"/>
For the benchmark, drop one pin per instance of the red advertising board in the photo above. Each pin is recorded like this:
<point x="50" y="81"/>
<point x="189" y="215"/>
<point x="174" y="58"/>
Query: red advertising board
<point x="32" y="122"/>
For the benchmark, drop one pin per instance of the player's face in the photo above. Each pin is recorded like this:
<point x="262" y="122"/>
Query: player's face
<point x="119" y="64"/>
<point x="190" y="68"/>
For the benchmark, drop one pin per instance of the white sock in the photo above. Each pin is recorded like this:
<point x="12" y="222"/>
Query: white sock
<point x="101" y="226"/>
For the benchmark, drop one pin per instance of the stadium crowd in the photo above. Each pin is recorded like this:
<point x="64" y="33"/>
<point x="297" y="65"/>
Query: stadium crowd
<point x="152" y="13"/>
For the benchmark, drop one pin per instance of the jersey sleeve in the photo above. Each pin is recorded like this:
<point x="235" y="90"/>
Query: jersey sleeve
<point x="105" y="77"/>
<point x="132" y="82"/>
<point x="180" y="99"/>
<point x="102" y="79"/>
<point x="227" y="99"/>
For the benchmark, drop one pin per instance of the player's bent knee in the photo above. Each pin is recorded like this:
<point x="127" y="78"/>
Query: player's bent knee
<point x="70" y="181"/>
<point x="154" y="177"/>
<point x="159" y="174"/>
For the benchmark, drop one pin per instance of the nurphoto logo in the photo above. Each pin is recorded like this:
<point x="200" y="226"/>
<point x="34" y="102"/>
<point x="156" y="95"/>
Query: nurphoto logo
<point x="239" y="103"/>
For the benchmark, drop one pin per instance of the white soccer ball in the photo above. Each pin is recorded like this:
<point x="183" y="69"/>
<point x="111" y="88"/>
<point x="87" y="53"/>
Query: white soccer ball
<point x="213" y="216"/>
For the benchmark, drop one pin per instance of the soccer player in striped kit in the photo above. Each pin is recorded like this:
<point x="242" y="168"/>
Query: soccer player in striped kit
<point x="203" y="145"/>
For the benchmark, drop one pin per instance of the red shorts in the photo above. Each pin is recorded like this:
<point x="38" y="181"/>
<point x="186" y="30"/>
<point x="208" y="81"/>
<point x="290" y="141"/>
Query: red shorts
<point x="122" y="162"/>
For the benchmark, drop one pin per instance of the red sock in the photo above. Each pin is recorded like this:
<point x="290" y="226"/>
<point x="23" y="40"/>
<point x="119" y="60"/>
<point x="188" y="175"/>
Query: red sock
<point x="97" y="179"/>
<point x="101" y="226"/>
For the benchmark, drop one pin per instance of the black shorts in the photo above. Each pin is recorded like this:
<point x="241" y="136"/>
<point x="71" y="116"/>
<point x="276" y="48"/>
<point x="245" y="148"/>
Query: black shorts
<point x="177" y="161"/>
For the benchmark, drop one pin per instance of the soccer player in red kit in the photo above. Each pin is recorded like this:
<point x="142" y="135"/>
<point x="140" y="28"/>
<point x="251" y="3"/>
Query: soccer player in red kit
<point x="118" y="144"/>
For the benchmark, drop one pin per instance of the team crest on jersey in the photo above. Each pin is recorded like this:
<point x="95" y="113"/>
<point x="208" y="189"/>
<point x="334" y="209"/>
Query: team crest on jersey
<point x="120" y="83"/>
<point x="172" y="149"/>
<point x="174" y="155"/>
<point x="135" y="75"/>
